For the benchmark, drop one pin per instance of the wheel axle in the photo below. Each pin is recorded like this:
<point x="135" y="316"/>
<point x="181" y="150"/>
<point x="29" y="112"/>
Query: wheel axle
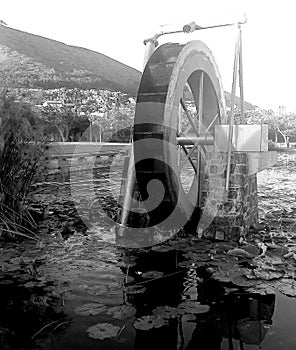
<point x="191" y="139"/>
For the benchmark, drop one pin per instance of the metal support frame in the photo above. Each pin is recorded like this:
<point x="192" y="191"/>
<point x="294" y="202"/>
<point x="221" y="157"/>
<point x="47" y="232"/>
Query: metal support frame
<point x="237" y="70"/>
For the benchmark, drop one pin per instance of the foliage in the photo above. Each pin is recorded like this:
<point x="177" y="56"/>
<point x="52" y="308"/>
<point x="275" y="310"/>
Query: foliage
<point x="103" y="331"/>
<point x="65" y="121"/>
<point x="283" y="124"/>
<point x="122" y="312"/>
<point x="86" y="115"/>
<point x="21" y="146"/>
<point x="286" y="125"/>
<point x="118" y="121"/>
<point x="152" y="274"/>
<point x="146" y="323"/>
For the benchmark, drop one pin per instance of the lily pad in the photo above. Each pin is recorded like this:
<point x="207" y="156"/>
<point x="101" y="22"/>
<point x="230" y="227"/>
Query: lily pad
<point x="162" y="248"/>
<point x="97" y="290"/>
<point x="122" y="312"/>
<point x="287" y="287"/>
<point x="262" y="289"/>
<point x="240" y="253"/>
<point x="103" y="331"/>
<point x="165" y="312"/>
<point x="90" y="309"/>
<point x="152" y="274"/>
<point x="190" y="255"/>
<point x="6" y="282"/>
<point x="146" y="323"/>
<point x="136" y="289"/>
<point x="222" y="276"/>
<point x="192" y="307"/>
<point x="241" y="281"/>
<point x="267" y="275"/>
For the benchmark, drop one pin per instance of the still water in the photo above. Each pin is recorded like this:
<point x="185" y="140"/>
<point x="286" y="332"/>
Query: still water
<point x="52" y="295"/>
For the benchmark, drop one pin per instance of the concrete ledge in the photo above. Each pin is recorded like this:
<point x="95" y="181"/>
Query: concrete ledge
<point x="70" y="148"/>
<point x="261" y="161"/>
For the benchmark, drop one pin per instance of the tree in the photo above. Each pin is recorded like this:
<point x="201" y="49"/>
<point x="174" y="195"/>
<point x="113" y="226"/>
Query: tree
<point x="64" y="121"/>
<point x="286" y="125"/>
<point x="283" y="124"/>
<point x="115" y="120"/>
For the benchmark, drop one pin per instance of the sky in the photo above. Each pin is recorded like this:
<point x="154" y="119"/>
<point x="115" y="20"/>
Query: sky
<point x="117" y="29"/>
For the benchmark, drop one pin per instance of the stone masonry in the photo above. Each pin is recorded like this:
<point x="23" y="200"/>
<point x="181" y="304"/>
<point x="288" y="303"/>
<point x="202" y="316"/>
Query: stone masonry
<point x="228" y="215"/>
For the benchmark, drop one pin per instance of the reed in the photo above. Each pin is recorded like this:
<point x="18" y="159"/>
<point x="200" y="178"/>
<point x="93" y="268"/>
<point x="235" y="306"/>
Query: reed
<point x="21" y="145"/>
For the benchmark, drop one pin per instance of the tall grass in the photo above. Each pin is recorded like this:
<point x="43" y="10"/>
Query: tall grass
<point x="21" y="146"/>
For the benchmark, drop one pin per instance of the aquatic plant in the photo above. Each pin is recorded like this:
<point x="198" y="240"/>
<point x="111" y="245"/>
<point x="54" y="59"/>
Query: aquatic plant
<point x="21" y="145"/>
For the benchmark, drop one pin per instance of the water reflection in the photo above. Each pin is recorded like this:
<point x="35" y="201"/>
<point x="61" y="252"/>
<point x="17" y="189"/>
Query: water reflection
<point x="28" y="313"/>
<point x="236" y="320"/>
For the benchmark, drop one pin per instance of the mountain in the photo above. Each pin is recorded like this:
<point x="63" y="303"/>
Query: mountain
<point x="28" y="60"/>
<point x="31" y="61"/>
<point x="248" y="105"/>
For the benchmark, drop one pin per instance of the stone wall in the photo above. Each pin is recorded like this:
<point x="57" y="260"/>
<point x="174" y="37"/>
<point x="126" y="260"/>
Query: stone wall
<point x="228" y="215"/>
<point x="61" y="158"/>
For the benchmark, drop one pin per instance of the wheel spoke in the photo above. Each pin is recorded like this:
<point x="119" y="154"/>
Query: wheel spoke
<point x="212" y="123"/>
<point x="186" y="131"/>
<point x="188" y="116"/>
<point x="200" y="102"/>
<point x="179" y="132"/>
<point x="189" y="88"/>
<point x="189" y="126"/>
<point x="188" y="157"/>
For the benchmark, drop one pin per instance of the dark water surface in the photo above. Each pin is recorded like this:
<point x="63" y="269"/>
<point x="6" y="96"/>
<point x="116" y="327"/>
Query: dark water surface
<point x="43" y="288"/>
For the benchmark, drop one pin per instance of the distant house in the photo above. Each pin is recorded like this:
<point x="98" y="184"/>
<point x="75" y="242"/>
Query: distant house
<point x="53" y="104"/>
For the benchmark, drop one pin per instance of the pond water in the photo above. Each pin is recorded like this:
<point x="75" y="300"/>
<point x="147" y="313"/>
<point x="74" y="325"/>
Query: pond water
<point x="85" y="293"/>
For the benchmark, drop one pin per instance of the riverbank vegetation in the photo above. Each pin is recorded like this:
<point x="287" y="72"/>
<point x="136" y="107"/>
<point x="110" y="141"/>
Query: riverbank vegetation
<point x="21" y="146"/>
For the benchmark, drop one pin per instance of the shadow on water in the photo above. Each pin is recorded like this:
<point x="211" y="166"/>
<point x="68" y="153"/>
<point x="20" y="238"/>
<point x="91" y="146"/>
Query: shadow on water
<point x="233" y="320"/>
<point x="187" y="310"/>
<point x="27" y="311"/>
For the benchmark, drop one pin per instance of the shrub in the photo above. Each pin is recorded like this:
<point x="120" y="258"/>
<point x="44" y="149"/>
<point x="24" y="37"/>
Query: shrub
<point x="21" y="146"/>
<point x="271" y="145"/>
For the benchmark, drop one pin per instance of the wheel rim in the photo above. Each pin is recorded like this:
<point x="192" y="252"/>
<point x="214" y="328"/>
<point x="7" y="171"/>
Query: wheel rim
<point x="179" y="81"/>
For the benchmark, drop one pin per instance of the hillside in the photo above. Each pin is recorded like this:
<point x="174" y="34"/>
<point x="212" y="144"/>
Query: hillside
<point x="248" y="105"/>
<point x="31" y="61"/>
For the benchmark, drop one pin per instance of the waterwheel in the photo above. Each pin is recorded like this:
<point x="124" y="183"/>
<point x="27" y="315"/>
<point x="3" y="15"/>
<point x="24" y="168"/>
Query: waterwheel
<point x="180" y="100"/>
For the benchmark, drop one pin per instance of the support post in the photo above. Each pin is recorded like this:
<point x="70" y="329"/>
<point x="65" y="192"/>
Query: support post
<point x="241" y="76"/>
<point x="232" y="100"/>
<point x="129" y="190"/>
